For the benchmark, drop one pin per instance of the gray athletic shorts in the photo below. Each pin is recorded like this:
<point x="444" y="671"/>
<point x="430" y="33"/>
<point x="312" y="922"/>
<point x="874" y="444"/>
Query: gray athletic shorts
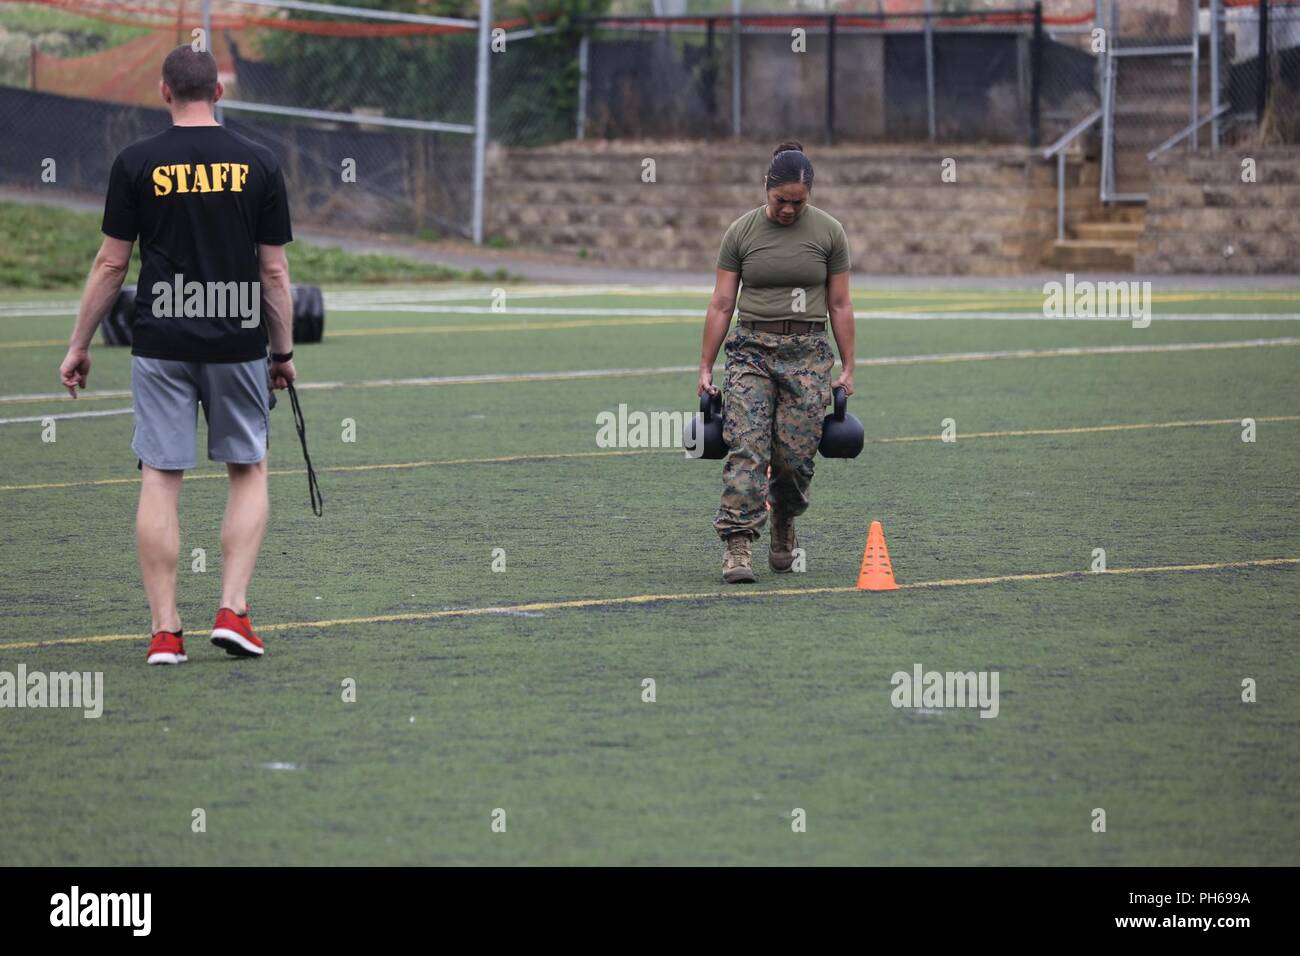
<point x="167" y="394"/>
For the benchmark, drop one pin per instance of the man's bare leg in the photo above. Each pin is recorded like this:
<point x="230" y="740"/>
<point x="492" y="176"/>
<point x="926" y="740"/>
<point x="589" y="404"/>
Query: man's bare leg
<point x="158" y="538"/>
<point x="242" y="531"/>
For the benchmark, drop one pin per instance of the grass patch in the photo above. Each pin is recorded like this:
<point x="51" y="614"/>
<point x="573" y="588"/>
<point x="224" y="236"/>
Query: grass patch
<point x="45" y="247"/>
<point x="60" y="33"/>
<point x="330" y="264"/>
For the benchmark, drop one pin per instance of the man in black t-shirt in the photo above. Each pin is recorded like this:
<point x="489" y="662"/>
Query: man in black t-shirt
<point x="210" y="211"/>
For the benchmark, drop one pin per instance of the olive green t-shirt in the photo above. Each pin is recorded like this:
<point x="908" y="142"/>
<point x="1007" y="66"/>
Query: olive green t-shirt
<point x="775" y="260"/>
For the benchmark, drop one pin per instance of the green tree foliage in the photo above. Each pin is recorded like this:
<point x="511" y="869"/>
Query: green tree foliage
<point x="533" y="82"/>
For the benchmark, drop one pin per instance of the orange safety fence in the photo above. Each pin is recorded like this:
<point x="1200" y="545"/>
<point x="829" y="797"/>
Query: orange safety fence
<point x="129" y="72"/>
<point x="897" y="21"/>
<point x="154" y="18"/>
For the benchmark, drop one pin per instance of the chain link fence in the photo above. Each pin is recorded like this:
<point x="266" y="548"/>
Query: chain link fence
<point x="1260" y="95"/>
<point x="1151" y="85"/>
<point x="376" y="116"/>
<point x="988" y="75"/>
<point x="372" y="112"/>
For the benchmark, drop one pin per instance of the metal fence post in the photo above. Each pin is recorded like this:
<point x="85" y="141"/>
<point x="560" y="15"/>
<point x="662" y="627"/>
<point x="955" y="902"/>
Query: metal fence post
<point x="1060" y="195"/>
<point x="736" y="69"/>
<point x="481" y="115"/>
<point x="929" y="68"/>
<point x="1098" y="21"/>
<point x="830" y="80"/>
<point x="1216" y="11"/>
<point x="1262" y="103"/>
<point x="1036" y="77"/>
<point x="1107" y="185"/>
<point x="584" y="51"/>
<point x="711" y="76"/>
<point x="207" y="38"/>
<point x="1196" y="75"/>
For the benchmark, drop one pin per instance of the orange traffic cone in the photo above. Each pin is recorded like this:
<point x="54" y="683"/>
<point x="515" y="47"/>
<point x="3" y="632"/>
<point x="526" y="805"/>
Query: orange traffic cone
<point x="877" y="573"/>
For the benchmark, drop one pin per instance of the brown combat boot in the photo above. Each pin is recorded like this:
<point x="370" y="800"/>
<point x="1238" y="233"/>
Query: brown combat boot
<point x="737" y="563"/>
<point x="780" y="555"/>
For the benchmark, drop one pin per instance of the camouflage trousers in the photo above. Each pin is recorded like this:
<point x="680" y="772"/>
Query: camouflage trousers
<point x="777" y="390"/>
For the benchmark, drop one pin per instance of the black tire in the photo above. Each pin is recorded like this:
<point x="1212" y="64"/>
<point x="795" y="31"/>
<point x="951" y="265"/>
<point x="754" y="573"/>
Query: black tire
<point x="117" y="324"/>
<point x="299" y="296"/>
<point x="318" y="307"/>
<point x="308" y="314"/>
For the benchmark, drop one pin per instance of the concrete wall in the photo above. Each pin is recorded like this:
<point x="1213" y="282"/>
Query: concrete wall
<point x="998" y="218"/>
<point x="1202" y="217"/>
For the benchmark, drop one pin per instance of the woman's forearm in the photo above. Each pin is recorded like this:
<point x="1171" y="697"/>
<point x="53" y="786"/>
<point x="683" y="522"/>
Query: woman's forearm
<point x="843" y="327"/>
<point x="716" y="322"/>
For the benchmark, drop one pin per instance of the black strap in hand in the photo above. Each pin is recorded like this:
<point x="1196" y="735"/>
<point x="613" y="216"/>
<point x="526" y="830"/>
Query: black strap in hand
<point x="313" y="488"/>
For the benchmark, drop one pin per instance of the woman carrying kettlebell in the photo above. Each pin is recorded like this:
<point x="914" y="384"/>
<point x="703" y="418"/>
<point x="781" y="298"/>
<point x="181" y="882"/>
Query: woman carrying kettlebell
<point x="789" y="261"/>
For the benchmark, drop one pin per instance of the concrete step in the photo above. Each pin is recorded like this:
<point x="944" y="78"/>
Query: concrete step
<point x="1111" y="232"/>
<point x="1081" y="255"/>
<point x="1120" y="212"/>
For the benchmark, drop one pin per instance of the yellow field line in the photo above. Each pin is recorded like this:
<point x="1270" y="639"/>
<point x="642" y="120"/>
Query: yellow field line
<point x="381" y="466"/>
<point x="637" y="599"/>
<point x="963" y="306"/>
<point x="876" y="361"/>
<point x="862" y="287"/>
<point x="1085" y="429"/>
<point x="865" y="291"/>
<point x="33" y="343"/>
<point x="525" y="326"/>
<point x="1033" y="295"/>
<point x="543" y="326"/>
<point x="112" y="396"/>
<point x="561" y="456"/>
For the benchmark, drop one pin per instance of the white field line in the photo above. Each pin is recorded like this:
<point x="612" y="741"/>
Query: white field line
<point x="351" y="300"/>
<point x="369" y="305"/>
<point x="492" y="378"/>
<point x="34" y="310"/>
<point x="484" y="292"/>
<point x="60" y="416"/>
<point x="510" y="311"/>
<point x="1032" y="297"/>
<point x="352" y="297"/>
<point x="534" y="290"/>
<point x="1155" y="316"/>
<point x="858" y="316"/>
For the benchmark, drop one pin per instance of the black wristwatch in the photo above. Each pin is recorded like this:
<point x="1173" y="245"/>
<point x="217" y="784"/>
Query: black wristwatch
<point x="281" y="357"/>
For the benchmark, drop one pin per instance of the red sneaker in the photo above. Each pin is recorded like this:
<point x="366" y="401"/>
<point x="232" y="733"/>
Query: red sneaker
<point x="234" y="632"/>
<point x="167" y="648"/>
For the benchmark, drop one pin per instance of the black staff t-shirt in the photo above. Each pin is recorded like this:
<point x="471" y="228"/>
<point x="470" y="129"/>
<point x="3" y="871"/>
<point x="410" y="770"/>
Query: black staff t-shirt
<point x="200" y="199"/>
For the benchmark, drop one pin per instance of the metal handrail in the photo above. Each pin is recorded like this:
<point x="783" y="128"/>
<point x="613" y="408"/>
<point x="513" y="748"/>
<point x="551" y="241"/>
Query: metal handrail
<point x="1071" y="134"/>
<point x="1057" y="149"/>
<point x="1187" y="131"/>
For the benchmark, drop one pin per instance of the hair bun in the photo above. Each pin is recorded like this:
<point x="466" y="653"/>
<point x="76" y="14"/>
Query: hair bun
<point x="792" y="145"/>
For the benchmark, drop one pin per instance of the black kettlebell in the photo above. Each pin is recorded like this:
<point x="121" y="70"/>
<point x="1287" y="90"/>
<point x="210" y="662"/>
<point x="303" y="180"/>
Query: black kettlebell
<point x="842" y="433"/>
<point x="704" y="431"/>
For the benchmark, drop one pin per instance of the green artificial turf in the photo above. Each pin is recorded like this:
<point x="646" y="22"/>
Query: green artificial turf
<point x="1120" y="692"/>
